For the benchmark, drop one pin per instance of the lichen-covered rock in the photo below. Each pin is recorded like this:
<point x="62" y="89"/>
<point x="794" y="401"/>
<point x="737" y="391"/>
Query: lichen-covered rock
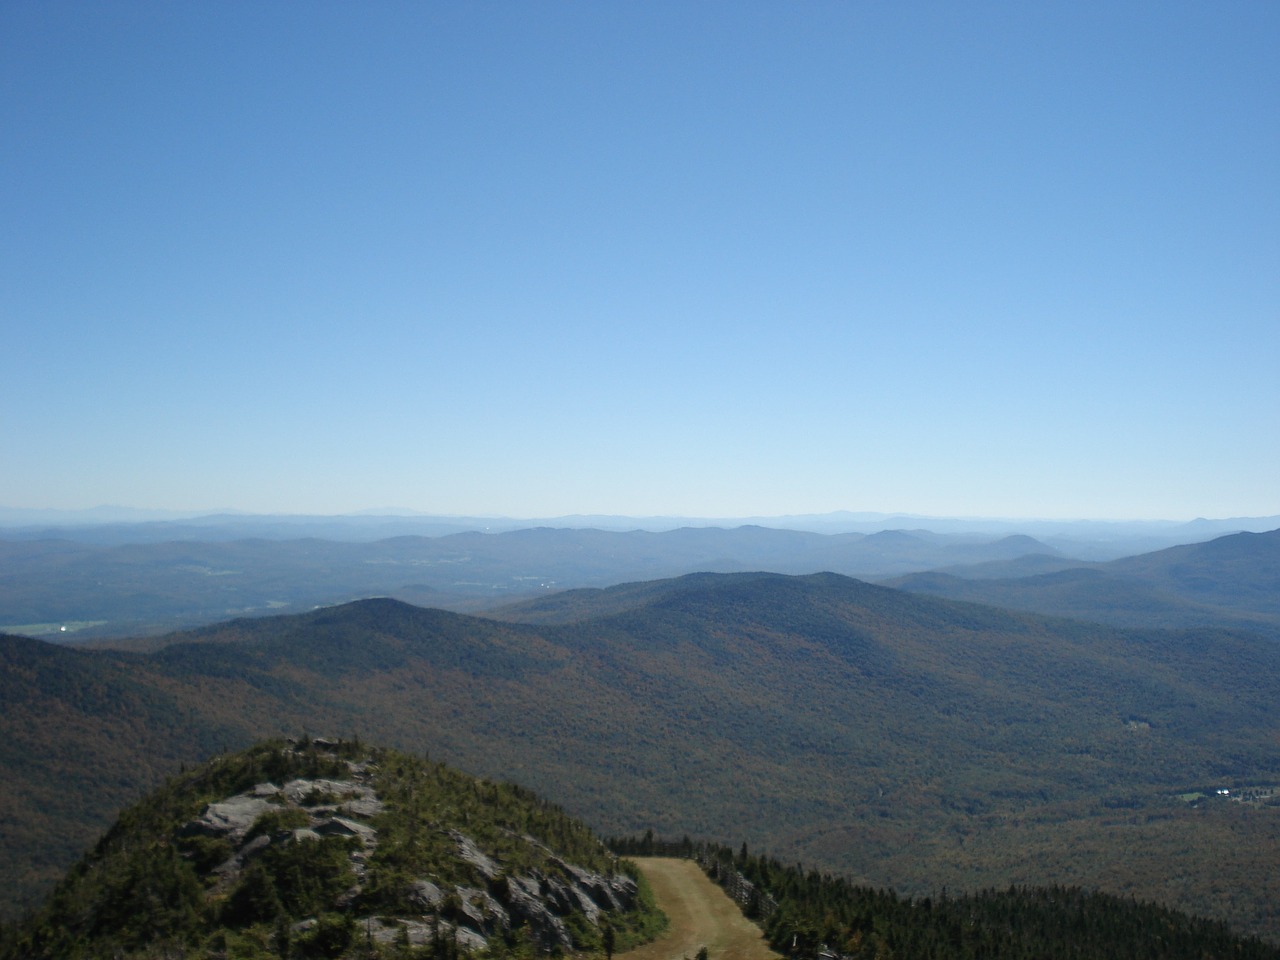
<point x="616" y="892"/>
<point x="318" y="792"/>
<point x="469" y="853"/>
<point x="342" y="827"/>
<point x="482" y="912"/>
<point x="426" y="895"/>
<point x="232" y="818"/>
<point x="526" y="903"/>
<point x="421" y="933"/>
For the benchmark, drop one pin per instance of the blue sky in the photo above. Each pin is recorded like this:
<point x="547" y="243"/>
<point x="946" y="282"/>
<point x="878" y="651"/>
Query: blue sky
<point x="709" y="259"/>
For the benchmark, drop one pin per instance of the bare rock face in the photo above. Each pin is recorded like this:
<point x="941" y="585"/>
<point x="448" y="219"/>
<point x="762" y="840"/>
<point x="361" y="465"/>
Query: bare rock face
<point x="320" y="792"/>
<point x="480" y="911"/>
<point x="342" y="827"/>
<point x="597" y="891"/>
<point x="615" y="892"/>
<point x="417" y="932"/>
<point x="231" y="819"/>
<point x="330" y="806"/>
<point x="427" y="895"/>
<point x="467" y="915"/>
<point x="527" y="903"/>
<point x="468" y="852"/>
<point x="536" y="901"/>
<point x="231" y="868"/>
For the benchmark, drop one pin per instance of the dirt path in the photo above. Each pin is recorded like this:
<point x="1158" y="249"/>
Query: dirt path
<point x="701" y="915"/>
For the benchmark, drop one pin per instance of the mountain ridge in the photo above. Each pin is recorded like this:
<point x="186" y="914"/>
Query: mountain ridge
<point x="84" y="591"/>
<point x="903" y="740"/>
<point x="1228" y="581"/>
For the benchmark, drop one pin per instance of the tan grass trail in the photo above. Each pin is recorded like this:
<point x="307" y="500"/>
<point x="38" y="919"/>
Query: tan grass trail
<point x="700" y="915"/>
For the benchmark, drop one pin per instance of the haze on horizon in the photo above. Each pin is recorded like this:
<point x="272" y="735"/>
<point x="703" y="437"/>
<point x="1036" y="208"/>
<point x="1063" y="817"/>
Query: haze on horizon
<point x="722" y="260"/>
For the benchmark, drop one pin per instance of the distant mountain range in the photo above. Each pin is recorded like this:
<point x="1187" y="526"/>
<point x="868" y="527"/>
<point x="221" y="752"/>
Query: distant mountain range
<point x="904" y="740"/>
<point x="1086" y="539"/>
<point x="64" y="588"/>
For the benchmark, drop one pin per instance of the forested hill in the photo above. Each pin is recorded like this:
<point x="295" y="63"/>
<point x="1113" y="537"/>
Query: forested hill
<point x="906" y="741"/>
<point x="1233" y="581"/>
<point x="317" y="848"/>
<point x="102" y="589"/>
<point x="75" y="590"/>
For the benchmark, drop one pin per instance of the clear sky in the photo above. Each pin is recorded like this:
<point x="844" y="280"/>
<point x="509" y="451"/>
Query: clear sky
<point x="701" y="258"/>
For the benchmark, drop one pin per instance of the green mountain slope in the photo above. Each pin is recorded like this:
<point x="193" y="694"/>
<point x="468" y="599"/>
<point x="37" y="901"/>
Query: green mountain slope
<point x="81" y="735"/>
<point x="1238" y="572"/>
<point x="903" y="740"/>
<point x="1233" y="581"/>
<point x="326" y="849"/>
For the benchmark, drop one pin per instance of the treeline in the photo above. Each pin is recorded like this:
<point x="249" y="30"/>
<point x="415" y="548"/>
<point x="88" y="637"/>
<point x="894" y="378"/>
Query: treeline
<point x="807" y="914"/>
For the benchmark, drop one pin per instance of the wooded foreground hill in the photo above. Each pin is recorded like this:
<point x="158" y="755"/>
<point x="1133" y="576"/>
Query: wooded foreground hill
<point x="316" y="849"/>
<point x="901" y="740"/>
<point x="321" y="849"/>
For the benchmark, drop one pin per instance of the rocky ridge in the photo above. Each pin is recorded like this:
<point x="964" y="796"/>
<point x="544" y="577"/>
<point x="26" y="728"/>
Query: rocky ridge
<point x="499" y="902"/>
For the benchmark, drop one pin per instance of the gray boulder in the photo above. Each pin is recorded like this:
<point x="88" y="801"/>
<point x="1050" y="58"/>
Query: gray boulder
<point x="469" y="853"/>
<point x="524" y="900"/>
<point x="300" y="791"/>
<point x="232" y="819"/>
<point x="426" y="894"/>
<point x="342" y="827"/>
<point x="482" y="912"/>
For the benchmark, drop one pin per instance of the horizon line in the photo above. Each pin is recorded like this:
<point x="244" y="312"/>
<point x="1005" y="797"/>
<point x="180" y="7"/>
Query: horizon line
<point x="106" y="514"/>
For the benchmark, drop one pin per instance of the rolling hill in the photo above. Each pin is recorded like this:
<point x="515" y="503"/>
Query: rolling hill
<point x="1232" y="581"/>
<point x="903" y="740"/>
<point x="62" y="589"/>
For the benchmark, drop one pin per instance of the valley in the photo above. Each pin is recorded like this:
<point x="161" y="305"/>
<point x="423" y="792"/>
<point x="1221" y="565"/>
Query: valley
<point x="85" y="585"/>
<point x="901" y="740"/>
<point x="475" y="474"/>
<point x="328" y="849"/>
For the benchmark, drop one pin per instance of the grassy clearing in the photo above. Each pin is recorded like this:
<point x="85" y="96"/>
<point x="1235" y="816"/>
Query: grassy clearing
<point x="700" y="915"/>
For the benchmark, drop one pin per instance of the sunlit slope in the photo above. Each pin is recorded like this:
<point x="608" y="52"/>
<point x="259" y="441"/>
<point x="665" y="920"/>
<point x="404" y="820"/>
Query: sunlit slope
<point x="906" y="740"/>
<point x="1233" y="581"/>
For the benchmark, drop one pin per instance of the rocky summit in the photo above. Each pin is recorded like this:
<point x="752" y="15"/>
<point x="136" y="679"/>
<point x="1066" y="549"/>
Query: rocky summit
<point x="310" y="847"/>
<point x="252" y="822"/>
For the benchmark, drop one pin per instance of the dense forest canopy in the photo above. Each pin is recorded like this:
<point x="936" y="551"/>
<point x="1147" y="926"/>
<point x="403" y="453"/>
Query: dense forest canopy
<point x="899" y="740"/>
<point x="806" y="913"/>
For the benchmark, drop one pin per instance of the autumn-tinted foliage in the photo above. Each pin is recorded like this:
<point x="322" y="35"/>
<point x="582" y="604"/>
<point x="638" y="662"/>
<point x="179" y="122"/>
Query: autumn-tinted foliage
<point x="903" y="741"/>
<point x="808" y="913"/>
